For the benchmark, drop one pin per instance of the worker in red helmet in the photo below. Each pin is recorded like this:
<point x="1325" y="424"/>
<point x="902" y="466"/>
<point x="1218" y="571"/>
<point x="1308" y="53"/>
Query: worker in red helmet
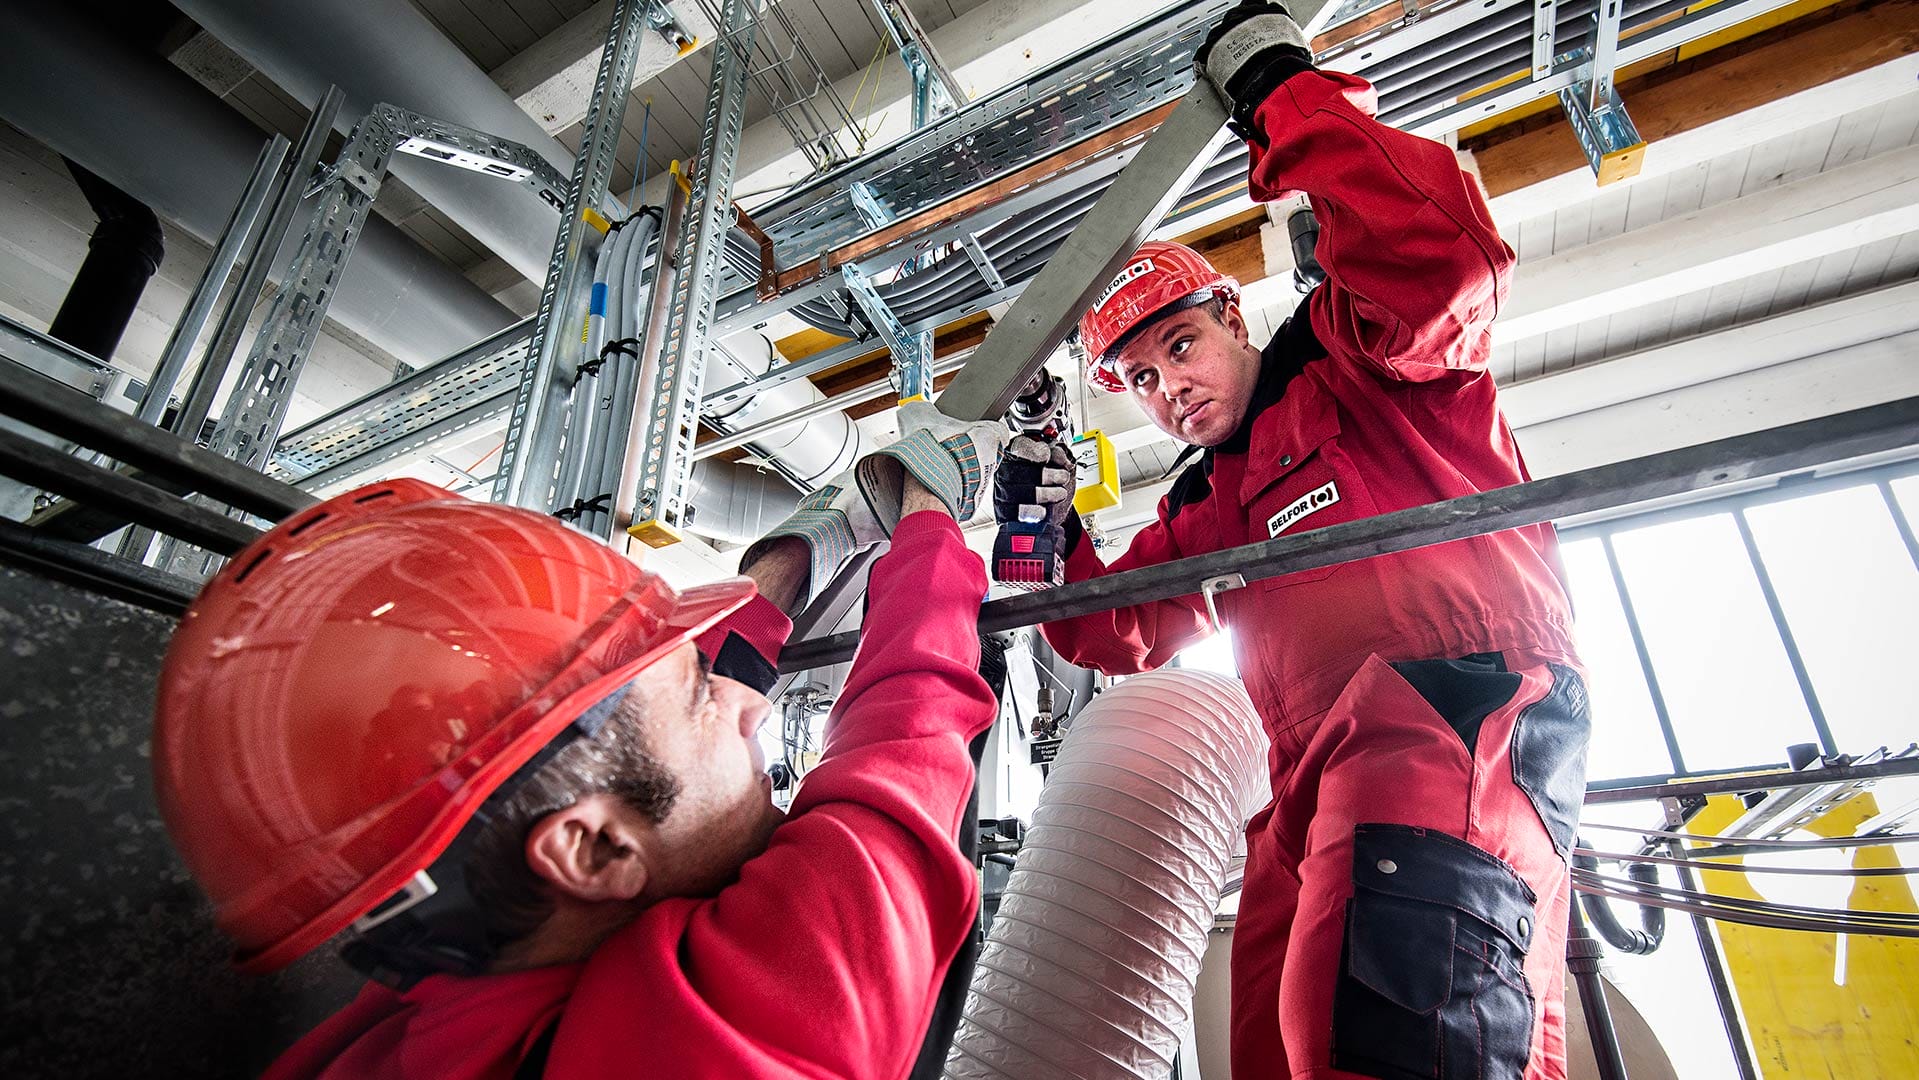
<point x="1405" y="900"/>
<point x="518" y="777"/>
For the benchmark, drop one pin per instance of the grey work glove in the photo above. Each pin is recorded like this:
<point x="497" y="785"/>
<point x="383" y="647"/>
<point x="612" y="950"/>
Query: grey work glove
<point x="834" y="522"/>
<point x="953" y="459"/>
<point x="1035" y="482"/>
<point x="1255" y="47"/>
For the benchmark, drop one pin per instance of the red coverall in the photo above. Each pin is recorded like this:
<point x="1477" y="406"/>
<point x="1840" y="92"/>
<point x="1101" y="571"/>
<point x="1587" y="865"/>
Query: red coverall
<point x="1404" y="911"/>
<point x="824" y="959"/>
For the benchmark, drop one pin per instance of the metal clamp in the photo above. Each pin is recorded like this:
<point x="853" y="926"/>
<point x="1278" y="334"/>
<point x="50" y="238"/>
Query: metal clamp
<point x="1212" y="587"/>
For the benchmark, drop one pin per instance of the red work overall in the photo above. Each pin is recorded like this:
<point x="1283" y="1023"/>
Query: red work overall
<point x="1404" y="912"/>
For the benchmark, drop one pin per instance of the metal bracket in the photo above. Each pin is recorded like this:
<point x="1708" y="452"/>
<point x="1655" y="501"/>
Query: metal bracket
<point x="982" y="262"/>
<point x="1212" y="587"/>
<point x="868" y="204"/>
<point x="1545" y="23"/>
<point x="477" y="151"/>
<point x="1612" y="144"/>
<point x="912" y="353"/>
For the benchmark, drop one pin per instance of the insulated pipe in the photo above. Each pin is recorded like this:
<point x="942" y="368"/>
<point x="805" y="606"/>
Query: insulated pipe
<point x="147" y="128"/>
<point x="386" y="50"/>
<point x="125" y="250"/>
<point x="1088" y="971"/>
<point x="814" y="451"/>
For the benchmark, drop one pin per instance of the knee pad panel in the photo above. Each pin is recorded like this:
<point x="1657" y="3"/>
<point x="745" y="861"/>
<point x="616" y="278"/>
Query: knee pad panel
<point x="1549" y="755"/>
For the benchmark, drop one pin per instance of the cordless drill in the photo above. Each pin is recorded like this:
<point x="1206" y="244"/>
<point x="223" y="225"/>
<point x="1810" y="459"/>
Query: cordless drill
<point x="1031" y="554"/>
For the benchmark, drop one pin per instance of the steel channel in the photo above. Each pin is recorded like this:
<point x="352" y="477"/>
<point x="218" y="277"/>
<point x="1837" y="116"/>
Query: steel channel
<point x="536" y="426"/>
<point x="233" y="241"/>
<point x="94" y="570"/>
<point x="259" y="264"/>
<point x="69" y="414"/>
<point x="626" y="479"/>
<point x="1804" y="445"/>
<point x="1019" y="344"/>
<point x="44" y="467"/>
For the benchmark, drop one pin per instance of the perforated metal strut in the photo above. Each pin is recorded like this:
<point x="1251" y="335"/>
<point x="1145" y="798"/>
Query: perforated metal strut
<point x="536" y="426"/>
<point x="673" y="424"/>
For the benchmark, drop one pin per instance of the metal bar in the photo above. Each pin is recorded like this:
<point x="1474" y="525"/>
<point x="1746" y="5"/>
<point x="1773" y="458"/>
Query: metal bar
<point x="1019" y="344"/>
<point x="673" y="423"/>
<point x="1544" y="24"/>
<point x="233" y="241"/>
<point x="912" y="353"/>
<point x="84" y="482"/>
<point x="1803" y="445"/>
<point x="94" y="570"/>
<point x="250" y="422"/>
<point x="1605" y="51"/>
<point x="626" y="482"/>
<point x="69" y="414"/>
<point x="259" y="263"/>
<point x="536" y="427"/>
<point x="1721" y="984"/>
<point x="1644" y="654"/>
<point x="907" y="35"/>
<point x="1781" y="780"/>
<point x="1827" y="745"/>
<point x="1900" y="521"/>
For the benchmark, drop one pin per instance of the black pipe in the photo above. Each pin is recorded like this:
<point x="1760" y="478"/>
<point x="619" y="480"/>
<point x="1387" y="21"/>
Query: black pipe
<point x="1582" y="961"/>
<point x="123" y="254"/>
<point x="1652" y="920"/>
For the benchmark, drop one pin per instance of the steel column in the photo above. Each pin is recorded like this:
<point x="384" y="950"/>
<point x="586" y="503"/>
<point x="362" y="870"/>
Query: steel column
<point x="233" y="242"/>
<point x="674" y="418"/>
<point x="259" y="264"/>
<point x="537" y="424"/>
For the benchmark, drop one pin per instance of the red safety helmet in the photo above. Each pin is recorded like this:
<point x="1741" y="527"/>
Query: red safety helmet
<point x="344" y="695"/>
<point x="1161" y="277"/>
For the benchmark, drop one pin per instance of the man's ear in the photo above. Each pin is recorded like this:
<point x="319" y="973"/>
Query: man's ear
<point x="592" y="850"/>
<point x="1235" y="321"/>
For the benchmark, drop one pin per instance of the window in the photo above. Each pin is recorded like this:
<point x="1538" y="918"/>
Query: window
<point x="1626" y="738"/>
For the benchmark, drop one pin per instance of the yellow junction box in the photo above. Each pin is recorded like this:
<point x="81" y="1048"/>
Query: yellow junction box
<point x="1098" y="470"/>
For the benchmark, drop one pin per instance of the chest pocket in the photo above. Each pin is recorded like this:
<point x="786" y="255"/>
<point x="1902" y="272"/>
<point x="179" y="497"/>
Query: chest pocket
<point x="1299" y="477"/>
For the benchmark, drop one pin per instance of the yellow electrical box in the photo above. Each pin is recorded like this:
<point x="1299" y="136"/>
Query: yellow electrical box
<point x="1098" y="473"/>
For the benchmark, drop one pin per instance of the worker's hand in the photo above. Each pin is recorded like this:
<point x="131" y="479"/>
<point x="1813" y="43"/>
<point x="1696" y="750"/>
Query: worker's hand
<point x="1035" y="482"/>
<point x="833" y="522"/>
<point x="1255" y="47"/>
<point x="953" y="459"/>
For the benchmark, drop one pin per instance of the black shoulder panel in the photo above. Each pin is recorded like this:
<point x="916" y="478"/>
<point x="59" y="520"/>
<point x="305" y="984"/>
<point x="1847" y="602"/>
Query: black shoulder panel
<point x="1193" y="486"/>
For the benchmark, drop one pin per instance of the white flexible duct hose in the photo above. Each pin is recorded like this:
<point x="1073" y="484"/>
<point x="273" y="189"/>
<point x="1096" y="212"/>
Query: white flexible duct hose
<point x="1088" y="972"/>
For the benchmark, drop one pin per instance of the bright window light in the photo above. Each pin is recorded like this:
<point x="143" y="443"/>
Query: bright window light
<point x="1715" y="648"/>
<point x="1212" y="654"/>
<point x="1626" y="740"/>
<point x="1851" y="596"/>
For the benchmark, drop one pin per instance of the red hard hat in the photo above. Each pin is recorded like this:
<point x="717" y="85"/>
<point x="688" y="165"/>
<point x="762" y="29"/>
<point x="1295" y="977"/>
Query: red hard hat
<point x="1160" y="275"/>
<point x="349" y="689"/>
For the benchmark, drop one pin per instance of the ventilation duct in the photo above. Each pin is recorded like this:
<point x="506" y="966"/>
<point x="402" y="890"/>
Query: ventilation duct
<point x="122" y="256"/>
<point x="1088" y="972"/>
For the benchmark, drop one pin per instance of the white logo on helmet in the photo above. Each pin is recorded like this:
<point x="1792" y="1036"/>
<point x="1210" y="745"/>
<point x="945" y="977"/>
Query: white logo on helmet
<point x="1143" y="266"/>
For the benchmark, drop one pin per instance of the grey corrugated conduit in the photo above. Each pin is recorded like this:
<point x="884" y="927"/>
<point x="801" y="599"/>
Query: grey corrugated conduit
<point x="1088" y="972"/>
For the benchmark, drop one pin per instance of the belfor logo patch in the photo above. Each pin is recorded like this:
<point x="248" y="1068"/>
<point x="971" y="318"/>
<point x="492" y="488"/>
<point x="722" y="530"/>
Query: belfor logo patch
<point x="1119" y="281"/>
<point x="1312" y="502"/>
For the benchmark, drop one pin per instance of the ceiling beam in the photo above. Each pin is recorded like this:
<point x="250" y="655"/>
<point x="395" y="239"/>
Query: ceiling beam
<point x="552" y="79"/>
<point x="1833" y="211"/>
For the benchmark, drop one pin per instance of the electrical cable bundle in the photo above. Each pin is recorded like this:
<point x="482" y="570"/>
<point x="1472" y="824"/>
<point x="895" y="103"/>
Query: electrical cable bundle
<point x="1642" y="886"/>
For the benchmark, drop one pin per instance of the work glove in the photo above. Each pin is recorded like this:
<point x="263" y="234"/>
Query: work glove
<point x="1255" y="47"/>
<point x="1034" y="483"/>
<point x="834" y="523"/>
<point x="953" y="459"/>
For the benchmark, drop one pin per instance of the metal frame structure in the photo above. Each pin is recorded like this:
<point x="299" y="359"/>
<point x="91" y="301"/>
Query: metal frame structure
<point x="673" y="422"/>
<point x="537" y="422"/>
<point x="951" y="184"/>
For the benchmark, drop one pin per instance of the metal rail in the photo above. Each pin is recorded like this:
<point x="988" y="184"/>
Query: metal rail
<point x="69" y="477"/>
<point x="1805" y="445"/>
<point x="1767" y="781"/>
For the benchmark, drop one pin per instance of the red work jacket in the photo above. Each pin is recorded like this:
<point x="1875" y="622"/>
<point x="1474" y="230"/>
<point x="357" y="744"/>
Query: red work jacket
<point x="824" y="959"/>
<point x="1375" y="397"/>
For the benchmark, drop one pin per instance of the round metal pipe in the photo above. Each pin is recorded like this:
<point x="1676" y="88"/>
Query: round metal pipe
<point x="387" y="51"/>
<point x="147" y="128"/>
